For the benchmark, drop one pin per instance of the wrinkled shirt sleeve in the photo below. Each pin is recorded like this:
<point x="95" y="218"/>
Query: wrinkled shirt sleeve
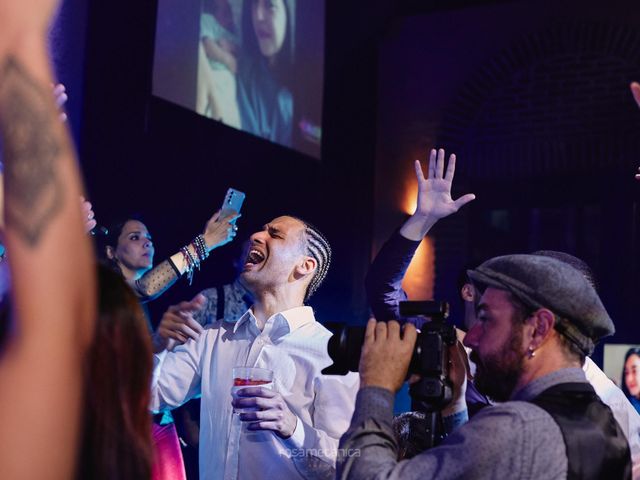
<point x="176" y="376"/>
<point x="384" y="279"/>
<point x="314" y="447"/>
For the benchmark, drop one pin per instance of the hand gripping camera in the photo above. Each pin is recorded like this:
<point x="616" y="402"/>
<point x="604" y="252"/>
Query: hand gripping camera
<point x="430" y="356"/>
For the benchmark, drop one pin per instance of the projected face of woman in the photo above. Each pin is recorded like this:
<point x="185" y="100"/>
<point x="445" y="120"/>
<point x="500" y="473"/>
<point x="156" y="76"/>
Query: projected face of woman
<point x="632" y="375"/>
<point x="269" y="19"/>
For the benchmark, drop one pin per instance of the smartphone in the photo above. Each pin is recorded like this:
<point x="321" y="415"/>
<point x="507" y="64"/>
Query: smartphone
<point x="232" y="201"/>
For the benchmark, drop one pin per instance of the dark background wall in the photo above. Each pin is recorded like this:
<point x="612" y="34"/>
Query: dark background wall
<point x="534" y="99"/>
<point x="532" y="96"/>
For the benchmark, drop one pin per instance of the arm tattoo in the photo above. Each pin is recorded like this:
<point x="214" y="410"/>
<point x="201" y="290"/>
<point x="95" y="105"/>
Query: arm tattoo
<point x="31" y="146"/>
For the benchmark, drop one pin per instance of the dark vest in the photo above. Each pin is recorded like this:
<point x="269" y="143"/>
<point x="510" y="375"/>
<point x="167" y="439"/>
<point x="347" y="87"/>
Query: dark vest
<point x="596" y="446"/>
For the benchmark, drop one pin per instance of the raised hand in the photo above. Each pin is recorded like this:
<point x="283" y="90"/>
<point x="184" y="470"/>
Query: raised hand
<point x="178" y="325"/>
<point x="434" y="196"/>
<point x="42" y="185"/>
<point x="220" y="230"/>
<point x="434" y="192"/>
<point x="60" y="97"/>
<point x="88" y="215"/>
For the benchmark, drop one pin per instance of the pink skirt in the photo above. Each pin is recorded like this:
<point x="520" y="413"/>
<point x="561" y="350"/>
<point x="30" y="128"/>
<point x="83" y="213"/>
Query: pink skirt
<point x="168" y="463"/>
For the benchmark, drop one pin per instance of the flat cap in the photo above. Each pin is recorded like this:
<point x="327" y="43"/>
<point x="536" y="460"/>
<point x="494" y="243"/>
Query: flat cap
<point x="544" y="282"/>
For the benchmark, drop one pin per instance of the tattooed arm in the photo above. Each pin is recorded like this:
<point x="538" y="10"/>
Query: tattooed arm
<point x="50" y="258"/>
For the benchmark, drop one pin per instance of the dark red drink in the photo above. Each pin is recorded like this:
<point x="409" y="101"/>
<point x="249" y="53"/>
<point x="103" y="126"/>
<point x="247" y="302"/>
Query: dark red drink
<point x="248" y="382"/>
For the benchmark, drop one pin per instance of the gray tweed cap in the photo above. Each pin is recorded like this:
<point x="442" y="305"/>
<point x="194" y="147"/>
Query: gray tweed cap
<point x="543" y="282"/>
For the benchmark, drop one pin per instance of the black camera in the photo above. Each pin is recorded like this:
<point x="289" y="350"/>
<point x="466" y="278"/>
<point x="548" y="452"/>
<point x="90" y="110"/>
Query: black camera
<point x="430" y="356"/>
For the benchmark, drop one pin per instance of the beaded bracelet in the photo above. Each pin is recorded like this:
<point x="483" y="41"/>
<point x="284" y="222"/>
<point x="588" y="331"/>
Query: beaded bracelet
<point x="186" y="258"/>
<point x="200" y="247"/>
<point x="191" y="262"/>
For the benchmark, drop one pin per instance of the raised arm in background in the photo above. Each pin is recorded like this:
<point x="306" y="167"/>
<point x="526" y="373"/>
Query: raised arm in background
<point x="129" y="248"/>
<point x="53" y="293"/>
<point x="434" y="201"/>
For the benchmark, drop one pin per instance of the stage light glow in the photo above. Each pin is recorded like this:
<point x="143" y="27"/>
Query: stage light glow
<point x="420" y="277"/>
<point x="410" y="193"/>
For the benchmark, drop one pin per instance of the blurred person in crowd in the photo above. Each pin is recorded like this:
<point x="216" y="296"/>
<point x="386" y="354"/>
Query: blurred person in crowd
<point x="50" y="258"/>
<point x="116" y="439"/>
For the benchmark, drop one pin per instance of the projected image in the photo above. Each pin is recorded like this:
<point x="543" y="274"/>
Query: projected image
<point x="622" y="365"/>
<point x="258" y="66"/>
<point x="218" y="52"/>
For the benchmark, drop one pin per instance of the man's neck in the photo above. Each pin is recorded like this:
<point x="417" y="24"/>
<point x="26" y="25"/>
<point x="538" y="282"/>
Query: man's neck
<point x="542" y="368"/>
<point x="268" y="304"/>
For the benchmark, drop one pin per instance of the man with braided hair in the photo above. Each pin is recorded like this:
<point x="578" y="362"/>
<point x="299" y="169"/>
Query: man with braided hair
<point x="294" y="428"/>
<point x="317" y="247"/>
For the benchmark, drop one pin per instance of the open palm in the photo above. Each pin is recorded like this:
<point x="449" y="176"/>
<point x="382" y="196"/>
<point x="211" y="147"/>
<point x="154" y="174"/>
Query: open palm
<point x="434" y="192"/>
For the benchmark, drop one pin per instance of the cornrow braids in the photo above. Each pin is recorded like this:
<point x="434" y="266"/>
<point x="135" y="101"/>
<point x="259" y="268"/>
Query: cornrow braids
<point x="318" y="248"/>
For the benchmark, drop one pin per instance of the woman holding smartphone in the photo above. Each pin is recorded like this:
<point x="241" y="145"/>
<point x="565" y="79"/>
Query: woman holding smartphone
<point x="130" y="251"/>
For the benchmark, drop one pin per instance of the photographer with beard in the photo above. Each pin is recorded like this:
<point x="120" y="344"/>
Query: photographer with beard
<point x="384" y="290"/>
<point x="537" y="319"/>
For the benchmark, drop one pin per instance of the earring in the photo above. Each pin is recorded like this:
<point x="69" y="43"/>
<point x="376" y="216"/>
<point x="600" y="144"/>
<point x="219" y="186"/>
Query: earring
<point x="531" y="352"/>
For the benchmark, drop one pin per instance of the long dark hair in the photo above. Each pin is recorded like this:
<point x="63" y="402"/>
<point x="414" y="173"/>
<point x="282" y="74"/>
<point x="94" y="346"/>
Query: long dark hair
<point x="117" y="441"/>
<point x="286" y="56"/>
<point x="630" y="352"/>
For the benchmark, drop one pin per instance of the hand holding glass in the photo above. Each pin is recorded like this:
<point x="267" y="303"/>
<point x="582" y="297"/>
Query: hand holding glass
<point x="244" y="377"/>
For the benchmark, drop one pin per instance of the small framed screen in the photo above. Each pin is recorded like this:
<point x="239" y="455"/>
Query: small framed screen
<point x="622" y="365"/>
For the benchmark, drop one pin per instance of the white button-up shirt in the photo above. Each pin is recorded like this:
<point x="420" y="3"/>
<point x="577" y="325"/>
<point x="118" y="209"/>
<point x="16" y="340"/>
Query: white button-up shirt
<point x="622" y="410"/>
<point x="294" y="346"/>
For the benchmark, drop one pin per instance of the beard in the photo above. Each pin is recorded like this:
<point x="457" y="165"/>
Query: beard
<point x="497" y="374"/>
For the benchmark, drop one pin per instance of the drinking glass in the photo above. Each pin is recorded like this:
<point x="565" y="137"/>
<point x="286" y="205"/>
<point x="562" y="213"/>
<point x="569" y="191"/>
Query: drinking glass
<point x="244" y="377"/>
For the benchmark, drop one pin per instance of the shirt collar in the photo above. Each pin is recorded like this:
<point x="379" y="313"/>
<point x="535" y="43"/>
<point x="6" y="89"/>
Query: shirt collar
<point x="293" y="319"/>
<point x="539" y="385"/>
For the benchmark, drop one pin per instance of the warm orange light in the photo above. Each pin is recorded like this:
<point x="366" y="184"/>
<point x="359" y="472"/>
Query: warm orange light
<point x="409" y="201"/>
<point x="420" y="277"/>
